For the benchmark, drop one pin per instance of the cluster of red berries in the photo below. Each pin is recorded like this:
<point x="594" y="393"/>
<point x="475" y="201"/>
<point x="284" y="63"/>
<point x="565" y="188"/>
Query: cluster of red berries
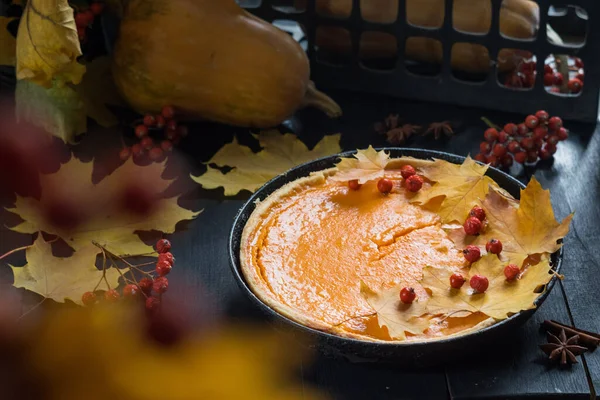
<point x="165" y="123"/>
<point x="535" y="138"/>
<point x="475" y="221"/>
<point x="553" y="79"/>
<point x="412" y="181"/>
<point x="151" y="288"/>
<point x="84" y="18"/>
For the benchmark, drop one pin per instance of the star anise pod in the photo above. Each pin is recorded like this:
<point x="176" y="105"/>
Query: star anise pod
<point x="399" y="135"/>
<point x="390" y="122"/>
<point x="563" y="349"/>
<point x="440" y="128"/>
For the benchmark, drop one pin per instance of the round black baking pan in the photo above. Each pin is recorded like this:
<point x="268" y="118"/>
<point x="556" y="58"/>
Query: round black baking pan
<point x="403" y="353"/>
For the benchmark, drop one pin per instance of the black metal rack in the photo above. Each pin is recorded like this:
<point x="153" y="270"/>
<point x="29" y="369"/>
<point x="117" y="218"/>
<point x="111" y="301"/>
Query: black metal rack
<point x="445" y="87"/>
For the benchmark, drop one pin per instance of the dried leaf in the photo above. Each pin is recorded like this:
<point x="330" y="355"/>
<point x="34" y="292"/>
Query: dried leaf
<point x="396" y="316"/>
<point x="7" y="43"/>
<point x="463" y="186"/>
<point x="365" y="165"/>
<point x="47" y="44"/>
<point x="500" y="299"/>
<point x="251" y="170"/>
<point x="108" y="223"/>
<point x="59" y="278"/>
<point x="524" y="230"/>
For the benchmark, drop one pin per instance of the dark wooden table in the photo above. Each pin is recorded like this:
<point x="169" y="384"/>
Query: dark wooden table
<point x="512" y="369"/>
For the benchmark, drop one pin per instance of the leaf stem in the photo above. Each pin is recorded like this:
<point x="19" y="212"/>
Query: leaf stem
<point x="490" y="123"/>
<point x="14" y="251"/>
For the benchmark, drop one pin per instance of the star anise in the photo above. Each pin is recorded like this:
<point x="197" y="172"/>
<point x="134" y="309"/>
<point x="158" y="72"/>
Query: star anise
<point x="390" y="122"/>
<point x="399" y="135"/>
<point x="563" y="349"/>
<point x="440" y="128"/>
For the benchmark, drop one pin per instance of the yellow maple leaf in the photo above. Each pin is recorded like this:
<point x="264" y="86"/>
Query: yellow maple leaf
<point x="525" y="229"/>
<point x="396" y="316"/>
<point x="8" y="43"/>
<point x="48" y="44"/>
<point x="365" y="165"/>
<point x="107" y="224"/>
<point x="60" y="278"/>
<point x="462" y="186"/>
<point x="251" y="170"/>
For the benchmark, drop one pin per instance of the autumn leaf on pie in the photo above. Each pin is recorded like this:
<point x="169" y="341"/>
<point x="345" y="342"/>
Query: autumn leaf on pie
<point x="99" y="211"/>
<point x="48" y="44"/>
<point x="251" y="170"/>
<point x="60" y="278"/>
<point x="501" y="298"/>
<point x="396" y="316"/>
<point x="463" y="186"/>
<point x="365" y="165"/>
<point x="526" y="229"/>
<point x="8" y="43"/>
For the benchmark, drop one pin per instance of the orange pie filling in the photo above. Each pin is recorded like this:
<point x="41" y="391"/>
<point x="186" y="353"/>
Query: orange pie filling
<point x="314" y="241"/>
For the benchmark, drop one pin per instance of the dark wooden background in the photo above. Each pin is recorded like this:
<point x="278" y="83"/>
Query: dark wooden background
<point x="510" y="369"/>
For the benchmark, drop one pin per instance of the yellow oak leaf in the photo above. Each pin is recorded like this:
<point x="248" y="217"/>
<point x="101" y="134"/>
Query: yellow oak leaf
<point x="103" y="219"/>
<point x="60" y="278"/>
<point x="462" y="186"/>
<point x="525" y="229"/>
<point x="396" y="316"/>
<point x="8" y="43"/>
<point x="48" y="44"/>
<point x="251" y="170"/>
<point x="365" y="165"/>
<point x="498" y="301"/>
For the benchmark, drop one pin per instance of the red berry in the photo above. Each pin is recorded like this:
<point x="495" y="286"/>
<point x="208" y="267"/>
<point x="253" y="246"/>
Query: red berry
<point x="507" y="161"/>
<point x="511" y="272"/>
<point x="485" y="147"/>
<point x="141" y="131"/>
<point x="532" y="156"/>
<point x="527" y="143"/>
<point x="354" y="185"/>
<point x="520" y="157"/>
<point x="168" y="112"/>
<point x="112" y="296"/>
<point x="152" y="304"/>
<point x="156" y="154"/>
<point x="581" y="76"/>
<point x="163" y="245"/>
<point x="472" y="253"/>
<point x="511" y="129"/>
<point x="528" y="79"/>
<point x="499" y="150"/>
<point x="549" y="79"/>
<point x="472" y="226"/>
<point x="414" y="183"/>
<point x="575" y="85"/>
<point x="97" y="8"/>
<point x="456" y="281"/>
<point x="407" y="295"/>
<point x="514" y="80"/>
<point x="84" y="18"/>
<point x="481" y="158"/>
<point x="160" y="285"/>
<point x="555" y="123"/>
<point x="513" y="146"/>
<point x="557" y="79"/>
<point x="385" y="185"/>
<point x="131" y="291"/>
<point x="125" y="153"/>
<point x="550" y="148"/>
<point x="542" y="116"/>
<point x="149" y="120"/>
<point x="531" y="121"/>
<point x="479" y="283"/>
<point x="182" y="131"/>
<point x="163" y="268"/>
<point x="168" y="257"/>
<point x="578" y="62"/>
<point x="494" y="246"/>
<point x="522" y="129"/>
<point x="545" y="154"/>
<point x="540" y="132"/>
<point x="491" y="135"/>
<point x="160" y="121"/>
<point x="89" y="298"/>
<point x="554" y="90"/>
<point x="137" y="150"/>
<point x="172" y="125"/>
<point x="478" y="213"/>
<point x="548" y="69"/>
<point x="147" y="142"/>
<point x="172" y="135"/>
<point x="145" y="285"/>
<point x="562" y="133"/>
<point x="492" y="160"/>
<point x="553" y="139"/>
<point x="407" y="171"/>
<point x="503" y="137"/>
<point x="166" y="145"/>
<point x="538" y="143"/>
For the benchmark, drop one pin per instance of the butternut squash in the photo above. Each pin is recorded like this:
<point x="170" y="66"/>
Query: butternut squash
<point x="518" y="19"/>
<point x="211" y="59"/>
